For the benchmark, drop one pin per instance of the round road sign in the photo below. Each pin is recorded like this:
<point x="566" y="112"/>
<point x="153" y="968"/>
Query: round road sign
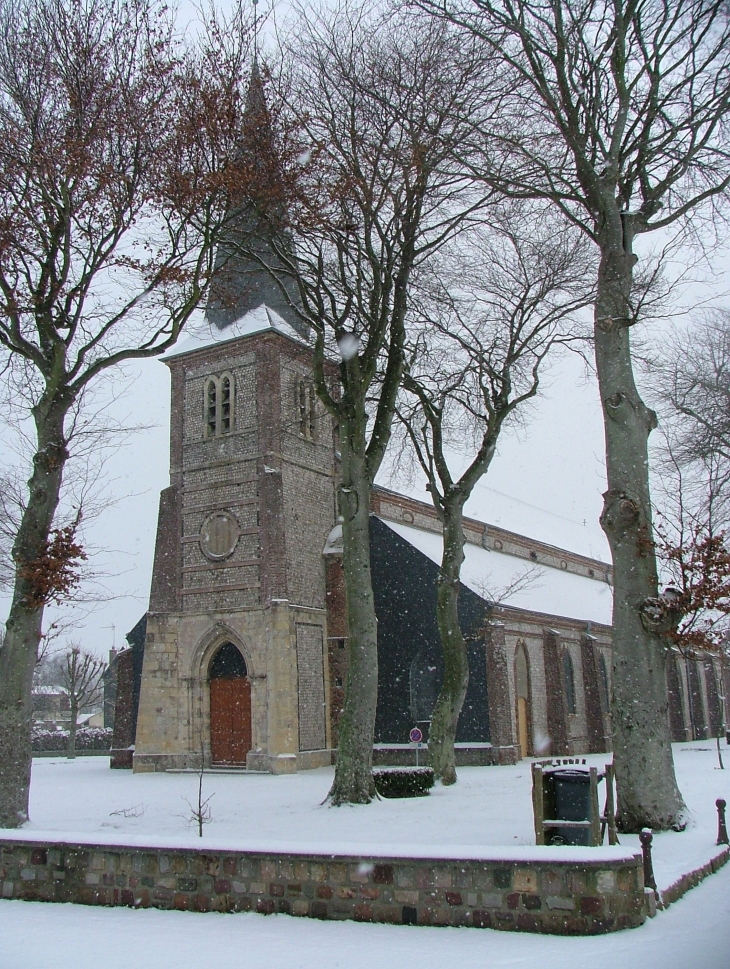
<point x="416" y="735"/>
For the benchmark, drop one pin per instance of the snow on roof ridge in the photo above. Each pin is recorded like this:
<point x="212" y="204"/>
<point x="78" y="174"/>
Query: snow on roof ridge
<point x="428" y="510"/>
<point x="204" y="334"/>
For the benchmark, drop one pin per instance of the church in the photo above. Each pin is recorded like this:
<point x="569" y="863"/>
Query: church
<point x="241" y="658"/>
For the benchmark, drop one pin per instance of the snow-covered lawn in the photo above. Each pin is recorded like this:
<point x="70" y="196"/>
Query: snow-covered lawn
<point x="692" y="934"/>
<point x="490" y="806"/>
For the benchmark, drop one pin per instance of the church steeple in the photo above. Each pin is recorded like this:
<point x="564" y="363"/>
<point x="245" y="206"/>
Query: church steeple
<point x="256" y="106"/>
<point x="247" y="257"/>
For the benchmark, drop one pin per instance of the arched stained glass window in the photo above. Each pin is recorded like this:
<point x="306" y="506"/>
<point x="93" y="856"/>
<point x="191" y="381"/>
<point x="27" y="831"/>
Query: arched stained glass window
<point x="228" y="663"/>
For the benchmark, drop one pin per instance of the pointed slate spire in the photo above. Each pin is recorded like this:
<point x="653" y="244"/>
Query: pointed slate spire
<point x="256" y="106"/>
<point x="241" y="282"/>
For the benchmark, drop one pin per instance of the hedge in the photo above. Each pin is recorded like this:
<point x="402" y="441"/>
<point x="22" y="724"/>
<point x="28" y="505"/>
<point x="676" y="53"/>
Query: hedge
<point x="403" y="781"/>
<point x="87" y="738"/>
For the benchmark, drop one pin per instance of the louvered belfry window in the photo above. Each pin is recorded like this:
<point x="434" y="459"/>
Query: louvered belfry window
<point x="218" y="405"/>
<point x="307" y="400"/>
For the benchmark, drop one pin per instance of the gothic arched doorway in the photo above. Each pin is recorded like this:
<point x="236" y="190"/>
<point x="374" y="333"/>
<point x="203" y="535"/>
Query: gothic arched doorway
<point x="230" y="707"/>
<point x="522" y="692"/>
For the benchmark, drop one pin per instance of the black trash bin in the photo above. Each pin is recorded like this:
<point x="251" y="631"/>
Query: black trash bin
<point x="567" y="798"/>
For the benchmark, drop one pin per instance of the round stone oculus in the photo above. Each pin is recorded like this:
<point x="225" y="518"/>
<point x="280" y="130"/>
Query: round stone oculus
<point x="219" y="535"/>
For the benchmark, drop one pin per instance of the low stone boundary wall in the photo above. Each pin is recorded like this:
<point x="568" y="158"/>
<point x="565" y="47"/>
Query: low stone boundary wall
<point x="692" y="878"/>
<point x="545" y="892"/>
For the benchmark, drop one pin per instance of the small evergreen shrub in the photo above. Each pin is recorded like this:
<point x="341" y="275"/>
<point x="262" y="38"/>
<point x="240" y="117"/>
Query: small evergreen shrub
<point x="403" y="781"/>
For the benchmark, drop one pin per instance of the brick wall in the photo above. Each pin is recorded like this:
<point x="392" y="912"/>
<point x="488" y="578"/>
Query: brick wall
<point x="501" y="722"/>
<point x="555" y="696"/>
<point x="308" y="472"/>
<point x="531" y="895"/>
<point x="591" y="689"/>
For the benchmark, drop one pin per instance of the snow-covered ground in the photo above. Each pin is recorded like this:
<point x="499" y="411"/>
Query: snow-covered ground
<point x="692" y="934"/>
<point x="490" y="806"/>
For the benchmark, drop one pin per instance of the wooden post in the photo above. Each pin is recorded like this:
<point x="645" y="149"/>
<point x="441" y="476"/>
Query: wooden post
<point x="538" y="808"/>
<point x="610" y="807"/>
<point x="594" y="811"/>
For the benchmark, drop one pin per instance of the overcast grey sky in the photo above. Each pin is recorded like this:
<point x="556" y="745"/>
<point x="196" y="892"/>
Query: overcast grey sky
<point x="546" y="481"/>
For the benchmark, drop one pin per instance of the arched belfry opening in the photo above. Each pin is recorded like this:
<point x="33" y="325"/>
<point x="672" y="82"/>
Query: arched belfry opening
<point x="230" y="706"/>
<point x="524" y="705"/>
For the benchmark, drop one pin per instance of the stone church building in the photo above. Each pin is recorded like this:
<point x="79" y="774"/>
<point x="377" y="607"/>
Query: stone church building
<point x="241" y="658"/>
<point x="244" y="651"/>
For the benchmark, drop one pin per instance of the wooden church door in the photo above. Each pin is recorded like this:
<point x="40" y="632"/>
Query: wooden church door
<point x="522" y="690"/>
<point x="230" y="707"/>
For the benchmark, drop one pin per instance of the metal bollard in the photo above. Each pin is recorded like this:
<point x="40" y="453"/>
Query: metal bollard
<point x="646" y="838"/>
<point x="722" y="838"/>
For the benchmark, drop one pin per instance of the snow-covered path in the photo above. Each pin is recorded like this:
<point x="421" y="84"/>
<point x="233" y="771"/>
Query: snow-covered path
<point x="692" y="934"/>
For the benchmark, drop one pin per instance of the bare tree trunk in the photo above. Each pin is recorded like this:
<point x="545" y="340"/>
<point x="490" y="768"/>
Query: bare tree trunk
<point x="23" y="632"/>
<point x="445" y="717"/>
<point x="353" y="783"/>
<point x="71" y="751"/>
<point x="647" y="788"/>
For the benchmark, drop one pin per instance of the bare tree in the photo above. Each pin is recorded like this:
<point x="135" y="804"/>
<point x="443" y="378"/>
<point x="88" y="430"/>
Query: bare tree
<point x="117" y="154"/>
<point x="509" y="298"/>
<point x="691" y="379"/>
<point x="383" y="100"/>
<point x="200" y="810"/>
<point x="617" y="116"/>
<point x="81" y="675"/>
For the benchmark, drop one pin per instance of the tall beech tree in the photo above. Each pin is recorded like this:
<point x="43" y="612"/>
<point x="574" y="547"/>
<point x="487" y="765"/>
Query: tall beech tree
<point x="115" y="164"/>
<point x="385" y="103"/>
<point x="506" y="300"/>
<point x="617" y="114"/>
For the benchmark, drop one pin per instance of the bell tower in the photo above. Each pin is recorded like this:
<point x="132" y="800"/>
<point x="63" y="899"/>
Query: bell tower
<point x="238" y="569"/>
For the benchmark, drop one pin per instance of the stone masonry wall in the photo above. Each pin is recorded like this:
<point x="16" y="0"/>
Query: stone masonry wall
<point x="310" y="674"/>
<point x="558" y="897"/>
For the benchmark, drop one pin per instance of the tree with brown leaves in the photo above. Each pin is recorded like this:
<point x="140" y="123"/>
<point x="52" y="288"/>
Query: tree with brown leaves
<point x="117" y="154"/>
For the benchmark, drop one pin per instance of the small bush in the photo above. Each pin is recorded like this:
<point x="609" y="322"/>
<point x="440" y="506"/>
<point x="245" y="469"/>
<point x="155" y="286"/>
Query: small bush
<point x="403" y="781"/>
